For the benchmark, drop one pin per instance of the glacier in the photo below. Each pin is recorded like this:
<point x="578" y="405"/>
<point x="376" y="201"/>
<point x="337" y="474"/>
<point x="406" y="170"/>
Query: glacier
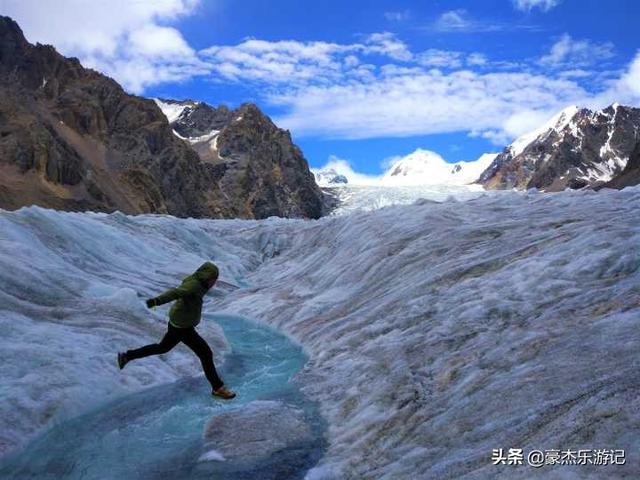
<point x="361" y="198"/>
<point x="430" y="333"/>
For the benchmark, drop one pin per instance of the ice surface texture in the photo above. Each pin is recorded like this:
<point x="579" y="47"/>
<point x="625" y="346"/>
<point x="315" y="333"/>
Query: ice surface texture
<point x="160" y="432"/>
<point x="436" y="331"/>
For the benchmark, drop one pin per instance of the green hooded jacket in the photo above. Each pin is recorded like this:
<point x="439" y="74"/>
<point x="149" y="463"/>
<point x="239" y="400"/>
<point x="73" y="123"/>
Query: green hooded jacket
<point x="188" y="307"/>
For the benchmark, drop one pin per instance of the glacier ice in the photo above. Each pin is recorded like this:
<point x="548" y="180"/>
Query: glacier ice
<point x="436" y="331"/>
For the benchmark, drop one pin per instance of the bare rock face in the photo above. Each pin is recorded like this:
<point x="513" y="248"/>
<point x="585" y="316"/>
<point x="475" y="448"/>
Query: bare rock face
<point x="631" y="173"/>
<point x="261" y="163"/>
<point x="575" y="149"/>
<point x="72" y="139"/>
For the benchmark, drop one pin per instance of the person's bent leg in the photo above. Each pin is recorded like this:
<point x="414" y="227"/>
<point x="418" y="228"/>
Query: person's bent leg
<point x="200" y="347"/>
<point x="170" y="340"/>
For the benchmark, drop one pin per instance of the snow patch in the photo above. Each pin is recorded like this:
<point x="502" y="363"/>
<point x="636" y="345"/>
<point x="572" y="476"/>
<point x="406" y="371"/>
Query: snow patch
<point x="556" y="123"/>
<point x="204" y="138"/>
<point x="171" y="110"/>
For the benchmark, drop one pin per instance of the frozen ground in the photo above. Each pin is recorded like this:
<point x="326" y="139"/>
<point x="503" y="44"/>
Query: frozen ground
<point x="436" y="332"/>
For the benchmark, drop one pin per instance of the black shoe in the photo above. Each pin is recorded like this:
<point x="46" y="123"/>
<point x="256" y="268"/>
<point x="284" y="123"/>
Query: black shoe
<point x="122" y="359"/>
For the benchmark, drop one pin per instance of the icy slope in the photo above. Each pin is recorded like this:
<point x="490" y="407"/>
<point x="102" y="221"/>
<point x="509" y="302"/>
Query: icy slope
<point x="354" y="198"/>
<point x="71" y="291"/>
<point x="436" y="332"/>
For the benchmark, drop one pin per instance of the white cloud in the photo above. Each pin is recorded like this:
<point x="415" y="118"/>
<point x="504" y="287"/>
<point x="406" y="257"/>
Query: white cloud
<point x="528" y="5"/>
<point x="460" y="21"/>
<point x="129" y="40"/>
<point x="576" y="53"/>
<point x="159" y="42"/>
<point x="343" y="167"/>
<point x="283" y="61"/>
<point x="295" y="63"/>
<point x="421" y="102"/>
<point x="629" y="83"/>
<point x="387" y="43"/>
<point x="625" y="89"/>
<point x="330" y="90"/>
<point x="397" y="16"/>
<point x="453" y="20"/>
<point x="449" y="58"/>
<point x="477" y="59"/>
<point x="440" y="58"/>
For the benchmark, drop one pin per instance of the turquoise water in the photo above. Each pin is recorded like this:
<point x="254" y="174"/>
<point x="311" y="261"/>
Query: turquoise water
<point x="157" y="433"/>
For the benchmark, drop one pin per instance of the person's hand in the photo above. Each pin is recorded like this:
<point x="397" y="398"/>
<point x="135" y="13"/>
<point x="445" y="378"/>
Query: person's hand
<point x="151" y="303"/>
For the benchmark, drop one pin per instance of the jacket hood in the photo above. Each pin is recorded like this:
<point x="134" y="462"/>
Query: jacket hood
<point x="206" y="272"/>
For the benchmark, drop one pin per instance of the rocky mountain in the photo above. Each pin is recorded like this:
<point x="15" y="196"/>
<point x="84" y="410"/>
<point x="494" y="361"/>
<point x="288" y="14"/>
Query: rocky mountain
<point x="262" y="166"/>
<point x="631" y="173"/>
<point x="73" y="139"/>
<point x="574" y="149"/>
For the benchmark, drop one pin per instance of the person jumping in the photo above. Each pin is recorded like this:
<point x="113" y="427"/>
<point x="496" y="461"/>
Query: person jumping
<point x="184" y="315"/>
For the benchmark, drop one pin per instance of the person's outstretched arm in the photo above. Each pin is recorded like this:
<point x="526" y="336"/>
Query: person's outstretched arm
<point x="185" y="289"/>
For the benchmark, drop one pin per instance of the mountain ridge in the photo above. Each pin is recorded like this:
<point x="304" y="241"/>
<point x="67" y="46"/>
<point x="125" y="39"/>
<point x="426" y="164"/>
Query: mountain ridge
<point x="72" y="139"/>
<point x="262" y="164"/>
<point x="576" y="148"/>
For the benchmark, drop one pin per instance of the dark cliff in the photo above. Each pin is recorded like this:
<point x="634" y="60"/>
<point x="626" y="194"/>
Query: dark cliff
<point x="73" y="139"/>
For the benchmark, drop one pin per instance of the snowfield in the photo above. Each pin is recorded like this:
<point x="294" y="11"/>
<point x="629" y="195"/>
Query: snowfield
<point x="354" y="198"/>
<point x="436" y="331"/>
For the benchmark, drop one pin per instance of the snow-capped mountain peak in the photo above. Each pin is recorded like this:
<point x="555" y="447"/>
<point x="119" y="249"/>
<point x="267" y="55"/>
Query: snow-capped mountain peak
<point x="576" y="148"/>
<point x="424" y="167"/>
<point x="419" y="167"/>
<point x="556" y="123"/>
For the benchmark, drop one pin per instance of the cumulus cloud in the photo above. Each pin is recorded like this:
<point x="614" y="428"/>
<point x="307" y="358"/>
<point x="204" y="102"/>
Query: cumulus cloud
<point x="576" y="53"/>
<point x="335" y="90"/>
<point x="282" y="61"/>
<point x="625" y="89"/>
<point x="387" y="43"/>
<point x="420" y="102"/>
<point x="440" y="58"/>
<point x="528" y="5"/>
<point x="295" y="63"/>
<point x="477" y="59"/>
<point x="129" y="40"/>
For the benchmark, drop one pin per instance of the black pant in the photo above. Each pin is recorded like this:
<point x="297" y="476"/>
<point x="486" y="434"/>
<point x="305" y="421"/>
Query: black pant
<point x="191" y="339"/>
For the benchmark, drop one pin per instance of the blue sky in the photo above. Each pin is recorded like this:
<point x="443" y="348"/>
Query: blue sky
<point x="362" y="81"/>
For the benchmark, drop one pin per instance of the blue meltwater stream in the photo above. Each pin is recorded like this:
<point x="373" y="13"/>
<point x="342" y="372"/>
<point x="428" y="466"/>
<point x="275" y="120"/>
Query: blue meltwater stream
<point x="157" y="433"/>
